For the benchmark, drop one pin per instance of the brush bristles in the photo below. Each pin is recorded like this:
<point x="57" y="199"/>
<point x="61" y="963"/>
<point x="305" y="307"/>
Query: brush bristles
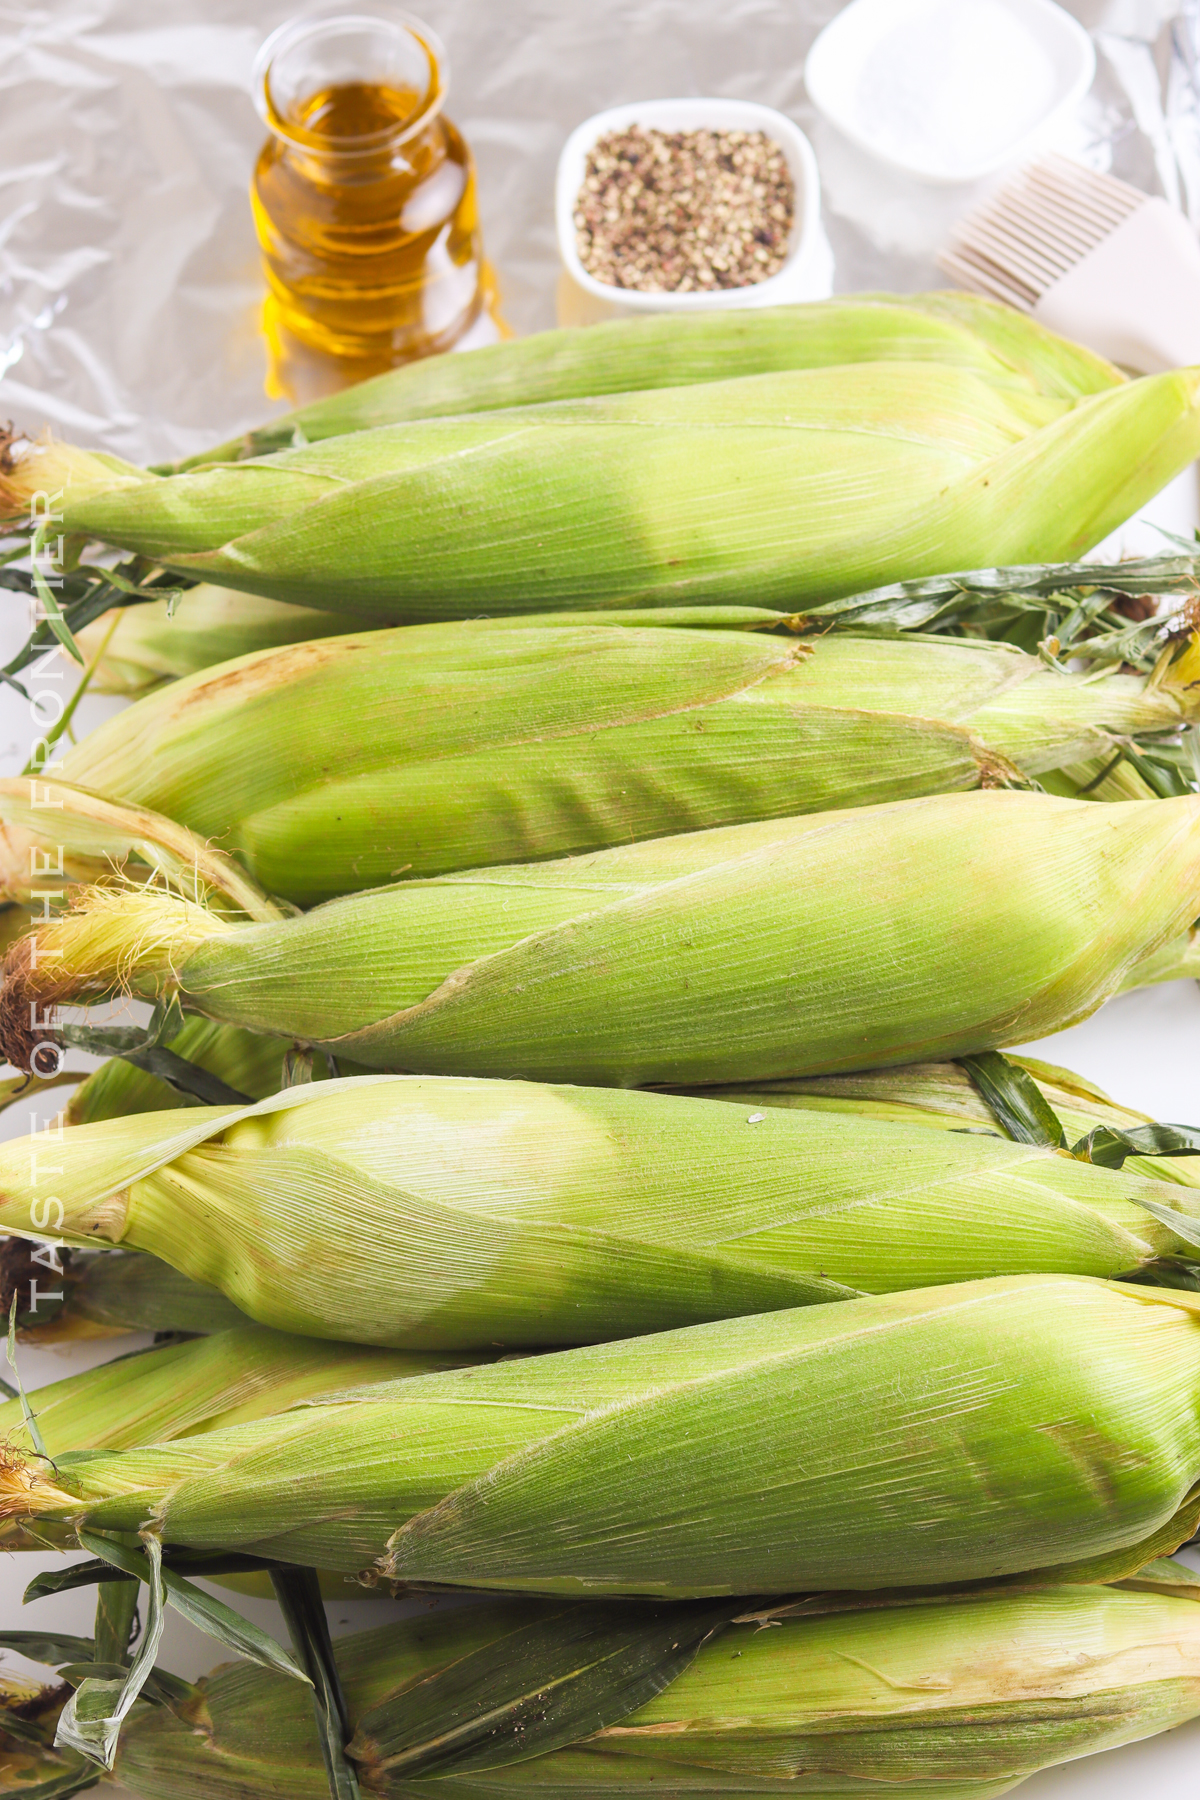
<point x="1016" y="245"/>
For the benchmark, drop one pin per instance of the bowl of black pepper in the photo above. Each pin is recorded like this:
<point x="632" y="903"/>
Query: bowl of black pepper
<point x="687" y="205"/>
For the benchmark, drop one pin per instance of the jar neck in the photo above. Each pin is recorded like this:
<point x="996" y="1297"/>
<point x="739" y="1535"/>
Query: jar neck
<point x="350" y="99"/>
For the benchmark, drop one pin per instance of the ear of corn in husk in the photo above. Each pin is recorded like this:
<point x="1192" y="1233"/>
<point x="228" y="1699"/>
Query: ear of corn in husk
<point x="959" y="330"/>
<point x="107" y="1293"/>
<point x="949" y="1701"/>
<point x="1048" y="1424"/>
<point x="160" y="640"/>
<point x="954" y="1700"/>
<point x="178" y="1391"/>
<point x="474" y="1213"/>
<point x="749" y="491"/>
<point x="748" y="952"/>
<point x="478" y="746"/>
<point x="1110" y="614"/>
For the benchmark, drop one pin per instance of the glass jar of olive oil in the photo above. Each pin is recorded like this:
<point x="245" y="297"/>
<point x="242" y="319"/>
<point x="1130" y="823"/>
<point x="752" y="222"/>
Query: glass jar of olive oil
<point x="364" y="195"/>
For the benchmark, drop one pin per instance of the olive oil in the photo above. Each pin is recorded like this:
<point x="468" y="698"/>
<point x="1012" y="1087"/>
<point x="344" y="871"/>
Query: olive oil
<point x="364" y="204"/>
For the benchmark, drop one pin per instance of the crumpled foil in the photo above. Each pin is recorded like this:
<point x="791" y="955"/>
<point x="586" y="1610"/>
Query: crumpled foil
<point x="129" y="280"/>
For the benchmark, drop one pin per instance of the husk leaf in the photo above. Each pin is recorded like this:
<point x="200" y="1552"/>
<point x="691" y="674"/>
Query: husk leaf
<point x="476" y="745"/>
<point x="1045" y="1423"/>
<point x="730" y="492"/>
<point x="511" y="1213"/>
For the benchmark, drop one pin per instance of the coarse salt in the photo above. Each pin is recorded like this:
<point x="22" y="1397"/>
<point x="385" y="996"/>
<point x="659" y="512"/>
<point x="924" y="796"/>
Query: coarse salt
<point x="954" y="86"/>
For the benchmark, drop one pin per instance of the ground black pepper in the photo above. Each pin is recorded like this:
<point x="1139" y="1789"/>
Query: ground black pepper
<point x="684" y="211"/>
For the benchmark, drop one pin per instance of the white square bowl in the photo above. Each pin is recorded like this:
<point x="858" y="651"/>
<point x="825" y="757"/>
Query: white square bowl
<point x="806" y="275"/>
<point x="835" y="65"/>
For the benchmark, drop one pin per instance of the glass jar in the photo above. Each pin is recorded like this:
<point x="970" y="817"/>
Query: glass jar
<point x="364" y="195"/>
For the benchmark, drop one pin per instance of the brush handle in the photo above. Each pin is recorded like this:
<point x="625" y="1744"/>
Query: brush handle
<point x="1136" y="297"/>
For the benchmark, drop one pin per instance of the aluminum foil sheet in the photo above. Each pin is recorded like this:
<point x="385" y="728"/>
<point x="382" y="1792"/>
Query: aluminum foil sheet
<point x="129" y="280"/>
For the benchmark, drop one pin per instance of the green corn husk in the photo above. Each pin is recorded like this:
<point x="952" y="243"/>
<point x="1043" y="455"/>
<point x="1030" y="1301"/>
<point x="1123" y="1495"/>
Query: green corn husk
<point x="252" y="1066"/>
<point x="959" y="330"/>
<point x="1108" y="615"/>
<point x="948" y="1701"/>
<point x="1026" y="607"/>
<point x="255" y="1066"/>
<point x="1096" y="778"/>
<point x="1048" y="1425"/>
<point x="942" y="1095"/>
<point x="177" y="1392"/>
<point x="147" y="649"/>
<point x="108" y="1293"/>
<point x="765" y="491"/>
<point x="103" y="1295"/>
<point x="476" y="747"/>
<point x="590" y="1699"/>
<point x="161" y="640"/>
<point x="180" y="1390"/>
<point x="749" y="952"/>
<point x="474" y="1213"/>
<point x="1178" y="960"/>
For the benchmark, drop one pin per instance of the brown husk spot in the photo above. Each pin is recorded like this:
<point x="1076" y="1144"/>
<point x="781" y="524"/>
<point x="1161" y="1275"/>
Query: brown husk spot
<point x="1137" y="608"/>
<point x="995" y="770"/>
